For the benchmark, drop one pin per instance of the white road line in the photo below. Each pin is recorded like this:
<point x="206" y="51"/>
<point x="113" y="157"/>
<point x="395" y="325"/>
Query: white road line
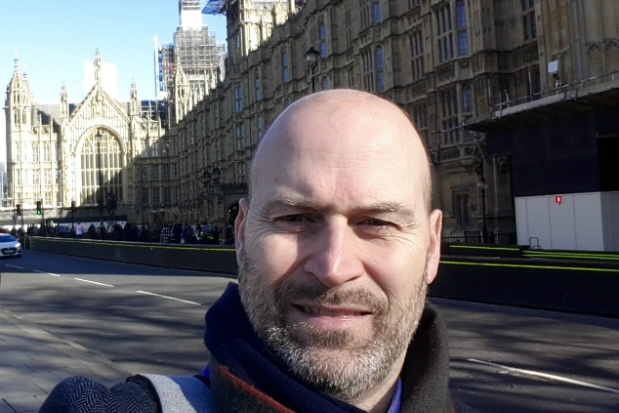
<point x="169" y="298"/>
<point x="15" y="266"/>
<point x="50" y="273"/>
<point x="547" y="376"/>
<point x="94" y="282"/>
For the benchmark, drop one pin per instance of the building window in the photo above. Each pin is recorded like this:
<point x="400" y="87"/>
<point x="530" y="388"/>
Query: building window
<point x="418" y="63"/>
<point x="238" y="98"/>
<point x="420" y="116"/>
<point x="380" y="71"/>
<point x="348" y="24"/>
<point x="413" y="3"/>
<point x="260" y="122"/>
<point x="286" y="103"/>
<point x="376" y="12"/>
<point x="166" y="171"/>
<point x="529" y="24"/>
<point x="154" y="170"/>
<point x="239" y="136"/>
<point x="322" y="31"/>
<point x="155" y="193"/>
<point x="463" y="42"/>
<point x="258" y="87"/>
<point x="467" y="99"/>
<point x="444" y="33"/>
<point x="240" y="172"/>
<point x="145" y="198"/>
<point x="449" y="116"/>
<point x="365" y="13"/>
<point x="35" y="152"/>
<point x="144" y="173"/>
<point x="101" y="170"/>
<point x="46" y="152"/>
<point x="368" y="70"/>
<point x="285" y="67"/>
<point x="167" y="195"/>
<point x="325" y="83"/>
<point x="461" y="208"/>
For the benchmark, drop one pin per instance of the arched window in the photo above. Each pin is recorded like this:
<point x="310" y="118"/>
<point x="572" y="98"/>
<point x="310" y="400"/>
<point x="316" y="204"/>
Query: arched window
<point x="322" y="29"/>
<point x="101" y="165"/>
<point x="285" y="67"/>
<point x="17" y="118"/>
<point x="467" y="99"/>
<point x="380" y="71"/>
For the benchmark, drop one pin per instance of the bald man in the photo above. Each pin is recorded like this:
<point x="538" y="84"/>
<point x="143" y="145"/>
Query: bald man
<point x="336" y="245"/>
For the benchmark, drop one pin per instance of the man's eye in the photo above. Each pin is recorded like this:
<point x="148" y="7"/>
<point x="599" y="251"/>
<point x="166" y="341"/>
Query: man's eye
<point x="374" y="222"/>
<point x="293" y="219"/>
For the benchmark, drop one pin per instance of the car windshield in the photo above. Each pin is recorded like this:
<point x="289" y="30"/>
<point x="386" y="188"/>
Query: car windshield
<point x="6" y="238"/>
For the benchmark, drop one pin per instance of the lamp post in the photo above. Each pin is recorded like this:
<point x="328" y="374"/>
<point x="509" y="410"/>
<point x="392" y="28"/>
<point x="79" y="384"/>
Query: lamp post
<point x="311" y="57"/>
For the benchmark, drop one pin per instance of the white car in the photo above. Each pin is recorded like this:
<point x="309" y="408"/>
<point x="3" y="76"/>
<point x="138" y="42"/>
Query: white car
<point x="9" y="246"/>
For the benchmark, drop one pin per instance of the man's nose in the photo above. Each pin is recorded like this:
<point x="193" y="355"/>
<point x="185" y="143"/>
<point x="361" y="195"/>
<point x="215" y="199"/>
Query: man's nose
<point x="334" y="257"/>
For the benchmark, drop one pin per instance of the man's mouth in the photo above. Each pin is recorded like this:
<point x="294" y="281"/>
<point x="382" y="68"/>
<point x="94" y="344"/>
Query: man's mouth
<point x="331" y="311"/>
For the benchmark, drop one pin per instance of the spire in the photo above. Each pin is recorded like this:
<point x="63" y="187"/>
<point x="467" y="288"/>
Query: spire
<point x="135" y="110"/>
<point x="64" y="104"/>
<point x="98" y="68"/>
<point x="16" y="60"/>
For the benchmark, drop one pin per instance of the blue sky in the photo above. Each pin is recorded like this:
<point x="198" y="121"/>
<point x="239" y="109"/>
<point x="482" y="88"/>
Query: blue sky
<point x="54" y="38"/>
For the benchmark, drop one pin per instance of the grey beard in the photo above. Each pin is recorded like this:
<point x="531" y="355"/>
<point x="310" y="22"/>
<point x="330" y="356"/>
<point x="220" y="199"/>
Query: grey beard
<point x="351" y="368"/>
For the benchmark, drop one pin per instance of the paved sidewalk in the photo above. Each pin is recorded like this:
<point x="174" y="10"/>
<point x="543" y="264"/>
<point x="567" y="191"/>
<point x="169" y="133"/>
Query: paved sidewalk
<point x="33" y="361"/>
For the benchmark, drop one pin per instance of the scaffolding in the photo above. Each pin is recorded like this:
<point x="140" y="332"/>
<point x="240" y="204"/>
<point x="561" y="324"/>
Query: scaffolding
<point x="195" y="48"/>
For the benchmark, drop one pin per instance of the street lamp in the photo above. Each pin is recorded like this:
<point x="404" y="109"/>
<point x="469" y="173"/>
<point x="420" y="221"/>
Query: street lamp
<point x="311" y="57"/>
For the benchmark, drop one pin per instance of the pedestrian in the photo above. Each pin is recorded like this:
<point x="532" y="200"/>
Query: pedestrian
<point x="79" y="230"/>
<point x="166" y="234"/>
<point x="216" y="234"/>
<point x="336" y="248"/>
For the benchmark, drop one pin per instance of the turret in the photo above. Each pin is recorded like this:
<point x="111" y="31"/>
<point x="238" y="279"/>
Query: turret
<point x="19" y="101"/>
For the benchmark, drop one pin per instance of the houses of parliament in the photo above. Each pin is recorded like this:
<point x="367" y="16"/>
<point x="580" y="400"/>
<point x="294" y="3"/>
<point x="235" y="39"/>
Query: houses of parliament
<point x="480" y="79"/>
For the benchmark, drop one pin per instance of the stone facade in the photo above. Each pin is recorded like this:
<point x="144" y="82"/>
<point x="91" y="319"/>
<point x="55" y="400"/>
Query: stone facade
<point x="85" y="154"/>
<point x="443" y="62"/>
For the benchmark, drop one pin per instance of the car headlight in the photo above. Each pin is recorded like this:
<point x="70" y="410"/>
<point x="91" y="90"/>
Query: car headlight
<point x="18" y="245"/>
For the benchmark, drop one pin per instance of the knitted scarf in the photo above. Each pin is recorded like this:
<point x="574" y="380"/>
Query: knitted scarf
<point x="246" y="376"/>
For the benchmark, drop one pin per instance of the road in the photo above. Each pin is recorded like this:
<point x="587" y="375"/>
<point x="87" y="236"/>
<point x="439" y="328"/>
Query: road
<point x="150" y="320"/>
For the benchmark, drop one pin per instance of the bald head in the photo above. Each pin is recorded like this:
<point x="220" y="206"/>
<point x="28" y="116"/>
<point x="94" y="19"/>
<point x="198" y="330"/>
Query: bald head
<point x="344" y="122"/>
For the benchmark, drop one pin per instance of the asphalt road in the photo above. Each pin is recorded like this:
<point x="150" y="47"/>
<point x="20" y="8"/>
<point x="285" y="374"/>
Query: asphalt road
<point x="150" y="320"/>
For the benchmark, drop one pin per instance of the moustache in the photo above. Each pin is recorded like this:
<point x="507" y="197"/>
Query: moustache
<point x="288" y="293"/>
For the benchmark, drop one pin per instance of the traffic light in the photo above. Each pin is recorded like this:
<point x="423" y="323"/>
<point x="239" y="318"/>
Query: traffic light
<point x="39" y="208"/>
<point x="18" y="209"/>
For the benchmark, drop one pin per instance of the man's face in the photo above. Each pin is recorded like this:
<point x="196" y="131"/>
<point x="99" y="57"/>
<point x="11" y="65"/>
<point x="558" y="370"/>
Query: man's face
<point x="336" y="249"/>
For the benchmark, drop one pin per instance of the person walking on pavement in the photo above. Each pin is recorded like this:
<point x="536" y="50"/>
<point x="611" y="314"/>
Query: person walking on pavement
<point x="166" y="234"/>
<point x="79" y="230"/>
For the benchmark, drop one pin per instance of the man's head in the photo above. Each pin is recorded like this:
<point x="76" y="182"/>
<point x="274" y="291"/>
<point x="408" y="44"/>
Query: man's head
<point x="337" y="243"/>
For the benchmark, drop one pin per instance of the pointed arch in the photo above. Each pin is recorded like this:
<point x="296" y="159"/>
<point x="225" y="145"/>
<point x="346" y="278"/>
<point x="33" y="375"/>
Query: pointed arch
<point x="100" y="160"/>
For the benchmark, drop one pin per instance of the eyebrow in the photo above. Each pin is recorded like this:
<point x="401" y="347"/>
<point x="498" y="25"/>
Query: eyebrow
<point x="288" y="203"/>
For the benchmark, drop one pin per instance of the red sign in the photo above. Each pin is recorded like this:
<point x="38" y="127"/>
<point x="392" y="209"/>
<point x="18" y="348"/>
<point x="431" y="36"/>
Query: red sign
<point x="558" y="199"/>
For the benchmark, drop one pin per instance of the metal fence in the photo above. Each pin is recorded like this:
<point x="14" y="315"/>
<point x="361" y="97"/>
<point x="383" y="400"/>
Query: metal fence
<point x="476" y="237"/>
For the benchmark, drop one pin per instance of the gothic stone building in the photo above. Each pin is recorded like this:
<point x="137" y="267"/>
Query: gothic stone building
<point x="65" y="153"/>
<point x="445" y="62"/>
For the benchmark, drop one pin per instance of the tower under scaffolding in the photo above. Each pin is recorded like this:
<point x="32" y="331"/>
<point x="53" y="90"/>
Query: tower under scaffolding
<point x="194" y="47"/>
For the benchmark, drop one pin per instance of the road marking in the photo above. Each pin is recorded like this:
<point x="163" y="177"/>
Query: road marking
<point x="169" y="298"/>
<point x="547" y="376"/>
<point x="94" y="282"/>
<point x="15" y="266"/>
<point x="50" y="273"/>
